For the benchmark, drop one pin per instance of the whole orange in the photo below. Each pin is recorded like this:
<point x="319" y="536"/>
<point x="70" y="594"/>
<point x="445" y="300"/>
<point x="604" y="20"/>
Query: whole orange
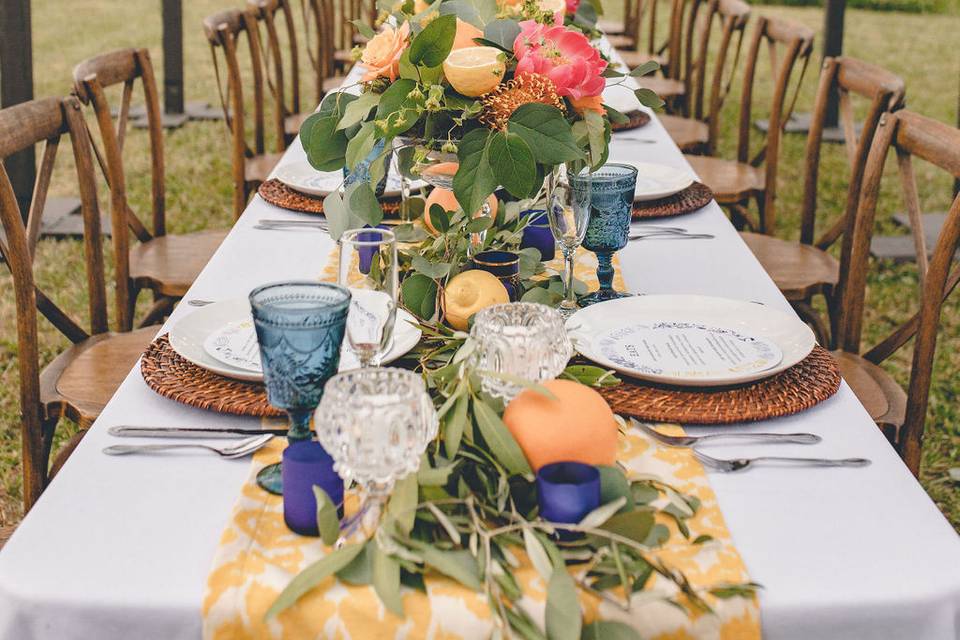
<point x="577" y="426"/>
<point x="446" y="199"/>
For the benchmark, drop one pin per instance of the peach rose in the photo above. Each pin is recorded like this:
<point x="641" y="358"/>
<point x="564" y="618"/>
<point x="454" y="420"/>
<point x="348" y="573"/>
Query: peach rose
<point x="382" y="54"/>
<point x="588" y="103"/>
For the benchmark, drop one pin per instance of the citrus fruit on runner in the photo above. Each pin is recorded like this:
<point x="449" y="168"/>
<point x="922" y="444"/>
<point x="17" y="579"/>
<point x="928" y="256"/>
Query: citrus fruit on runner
<point x="468" y="292"/>
<point x="446" y="199"/>
<point x="474" y="71"/>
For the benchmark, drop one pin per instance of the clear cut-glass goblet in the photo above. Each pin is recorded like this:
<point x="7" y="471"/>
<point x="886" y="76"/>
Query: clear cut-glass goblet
<point x="568" y="211"/>
<point x="300" y="328"/>
<point x="519" y="341"/>
<point x="375" y="424"/>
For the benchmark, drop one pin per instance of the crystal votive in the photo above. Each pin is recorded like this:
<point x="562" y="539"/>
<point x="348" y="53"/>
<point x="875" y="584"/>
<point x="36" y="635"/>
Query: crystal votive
<point x="567" y="491"/>
<point x="305" y="465"/>
<point x="525" y="340"/>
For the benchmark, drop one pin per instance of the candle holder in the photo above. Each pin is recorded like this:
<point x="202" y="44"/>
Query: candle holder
<point x="305" y="465"/>
<point x="566" y="492"/>
<point x="503" y="264"/>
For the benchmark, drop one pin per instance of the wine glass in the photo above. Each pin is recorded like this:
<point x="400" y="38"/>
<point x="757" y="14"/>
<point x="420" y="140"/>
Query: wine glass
<point x="523" y="340"/>
<point x="568" y="211"/>
<point x="300" y="328"/>
<point x="375" y="424"/>
<point x="368" y="267"/>
<point x="612" y="188"/>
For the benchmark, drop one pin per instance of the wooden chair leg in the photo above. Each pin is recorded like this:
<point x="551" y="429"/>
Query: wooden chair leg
<point x="160" y="310"/>
<point x="65" y="452"/>
<point x="812" y="318"/>
<point x="5" y="533"/>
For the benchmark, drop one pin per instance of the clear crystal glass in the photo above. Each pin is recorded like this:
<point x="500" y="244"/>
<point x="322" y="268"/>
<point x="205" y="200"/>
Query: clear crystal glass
<point x="523" y="340"/>
<point x="375" y="424"/>
<point x="568" y="211"/>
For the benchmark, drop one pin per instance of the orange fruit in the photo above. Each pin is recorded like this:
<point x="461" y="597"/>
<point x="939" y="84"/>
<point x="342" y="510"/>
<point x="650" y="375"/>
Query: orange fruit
<point x="578" y="426"/>
<point x="468" y="292"/>
<point x="466" y="32"/>
<point x="446" y="199"/>
<point x="474" y="71"/>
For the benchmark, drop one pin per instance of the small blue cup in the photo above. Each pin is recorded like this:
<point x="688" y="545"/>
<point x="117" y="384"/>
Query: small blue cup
<point x="537" y="234"/>
<point x="503" y="264"/>
<point x="306" y="464"/>
<point x="567" y="491"/>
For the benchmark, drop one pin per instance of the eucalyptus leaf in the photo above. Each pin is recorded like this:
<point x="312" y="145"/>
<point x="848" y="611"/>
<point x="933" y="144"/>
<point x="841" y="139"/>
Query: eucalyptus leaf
<point x="363" y="28"/>
<point x="601" y="514"/>
<point x="649" y="98"/>
<point x="459" y="565"/>
<point x="364" y="204"/>
<point x="429" y="476"/>
<point x="338" y="216"/>
<point x="635" y="525"/>
<point x="312" y="576"/>
<point x="432" y="45"/>
<point x="361" y="145"/>
<point x="613" y="485"/>
<point x="439" y="218"/>
<point x="609" y="630"/>
<point x="306" y="128"/>
<point x="335" y="104"/>
<point x="541" y="295"/>
<point x="502" y="33"/>
<point x="360" y="570"/>
<point x="358" y="109"/>
<point x="475" y="179"/>
<point x="658" y="535"/>
<point x="455" y="424"/>
<point x="501" y="442"/>
<point x="513" y="163"/>
<point x="419" y="295"/>
<point x="432" y="269"/>
<point x="327" y="519"/>
<point x="564" y="619"/>
<point x="646" y="68"/>
<point x="444" y="522"/>
<point x="402" y="506"/>
<point x="327" y="145"/>
<point x="479" y="225"/>
<point x="537" y="554"/>
<point x="476" y="12"/>
<point x="386" y="580"/>
<point x="397" y="109"/>
<point x="643" y="492"/>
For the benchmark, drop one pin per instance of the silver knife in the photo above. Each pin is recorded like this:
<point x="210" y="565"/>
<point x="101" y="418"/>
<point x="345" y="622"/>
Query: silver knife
<point x="188" y="432"/>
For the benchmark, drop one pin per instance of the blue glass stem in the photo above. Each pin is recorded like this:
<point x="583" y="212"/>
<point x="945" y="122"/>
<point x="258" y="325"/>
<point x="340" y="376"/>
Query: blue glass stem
<point x="605" y="270"/>
<point x="299" y="425"/>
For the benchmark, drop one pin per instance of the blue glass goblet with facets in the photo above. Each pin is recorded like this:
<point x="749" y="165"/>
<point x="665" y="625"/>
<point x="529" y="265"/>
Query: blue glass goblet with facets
<point x="612" y="188"/>
<point x="300" y="327"/>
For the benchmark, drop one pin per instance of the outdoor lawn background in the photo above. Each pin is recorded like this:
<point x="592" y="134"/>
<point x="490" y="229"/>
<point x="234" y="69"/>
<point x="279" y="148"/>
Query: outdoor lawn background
<point x="919" y="46"/>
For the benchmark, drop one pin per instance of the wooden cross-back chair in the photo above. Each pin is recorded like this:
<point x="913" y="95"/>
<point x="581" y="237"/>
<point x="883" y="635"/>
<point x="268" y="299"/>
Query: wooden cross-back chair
<point x="754" y="177"/>
<point x="164" y="263"/>
<point x="642" y="22"/>
<point x="345" y="34"/>
<point x="251" y="161"/>
<point x="80" y="381"/>
<point x="900" y="415"/>
<point x="698" y="133"/>
<point x="318" y="32"/>
<point x="804" y="269"/>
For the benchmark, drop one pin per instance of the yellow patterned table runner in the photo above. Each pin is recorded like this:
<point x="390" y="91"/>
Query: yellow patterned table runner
<point x="258" y="556"/>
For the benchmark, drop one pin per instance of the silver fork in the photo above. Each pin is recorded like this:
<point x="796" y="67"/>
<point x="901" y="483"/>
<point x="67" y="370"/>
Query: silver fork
<point x="671" y="235"/>
<point x="737" y="464"/>
<point x="238" y="450"/>
<point x="196" y="302"/>
<point x="293" y="223"/>
<point x="689" y="441"/>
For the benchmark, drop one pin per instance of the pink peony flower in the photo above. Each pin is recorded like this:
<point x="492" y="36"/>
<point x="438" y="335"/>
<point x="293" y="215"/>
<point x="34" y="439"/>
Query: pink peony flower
<point x="572" y="6"/>
<point x="563" y="55"/>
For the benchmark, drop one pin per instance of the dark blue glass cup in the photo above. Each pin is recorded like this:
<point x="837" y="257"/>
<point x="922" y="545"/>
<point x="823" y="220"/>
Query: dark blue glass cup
<point x="361" y="172"/>
<point x="567" y="491"/>
<point x="612" y="189"/>
<point x="300" y="327"/>
<point x="503" y="264"/>
<point x="306" y="464"/>
<point x="537" y="234"/>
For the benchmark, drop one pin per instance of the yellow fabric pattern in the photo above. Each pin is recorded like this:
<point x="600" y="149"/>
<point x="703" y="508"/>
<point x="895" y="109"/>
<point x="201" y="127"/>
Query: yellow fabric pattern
<point x="258" y="556"/>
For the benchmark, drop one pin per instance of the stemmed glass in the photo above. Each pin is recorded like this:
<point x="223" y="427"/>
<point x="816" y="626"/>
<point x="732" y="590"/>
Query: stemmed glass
<point x="300" y="327"/>
<point x="568" y="211"/>
<point x="368" y="267"/>
<point x="612" y="188"/>
<point x="375" y="424"/>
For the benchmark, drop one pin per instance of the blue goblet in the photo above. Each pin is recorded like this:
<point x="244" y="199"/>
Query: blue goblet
<point x="611" y="207"/>
<point x="300" y="327"/>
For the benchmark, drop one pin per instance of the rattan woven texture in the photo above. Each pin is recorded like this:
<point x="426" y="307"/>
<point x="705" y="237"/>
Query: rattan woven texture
<point x="693" y="198"/>
<point x="637" y="119"/>
<point x="279" y="194"/>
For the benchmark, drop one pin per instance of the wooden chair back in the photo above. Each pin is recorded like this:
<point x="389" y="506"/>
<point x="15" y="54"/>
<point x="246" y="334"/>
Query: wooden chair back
<point x="91" y="79"/>
<point x="731" y="16"/>
<point x="788" y="44"/>
<point x="910" y="135"/>
<point x="848" y="77"/>
<point x="284" y="62"/>
<point x="342" y="12"/>
<point x="642" y="23"/>
<point x="23" y="126"/>
<point x="224" y="31"/>
<point x="319" y="35"/>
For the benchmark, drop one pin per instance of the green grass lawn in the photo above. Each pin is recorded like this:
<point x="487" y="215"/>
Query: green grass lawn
<point x="199" y="190"/>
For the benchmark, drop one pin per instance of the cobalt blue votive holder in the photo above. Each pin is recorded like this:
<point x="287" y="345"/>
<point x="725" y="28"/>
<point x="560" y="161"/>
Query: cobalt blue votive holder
<point x="537" y="234"/>
<point x="567" y="491"/>
<point x="306" y="464"/>
<point x="503" y="264"/>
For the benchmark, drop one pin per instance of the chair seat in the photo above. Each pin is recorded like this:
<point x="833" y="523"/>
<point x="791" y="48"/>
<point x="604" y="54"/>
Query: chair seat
<point x="257" y="168"/>
<point x="634" y="59"/>
<point x="730" y="181"/>
<point x="621" y="41"/>
<point x="81" y="380"/>
<point x="169" y="264"/>
<point x="799" y="270"/>
<point x="611" y="27"/>
<point x="332" y="84"/>
<point x="292" y="123"/>
<point x="688" y="133"/>
<point x="343" y="56"/>
<point x="666" y="88"/>
<point x="881" y="396"/>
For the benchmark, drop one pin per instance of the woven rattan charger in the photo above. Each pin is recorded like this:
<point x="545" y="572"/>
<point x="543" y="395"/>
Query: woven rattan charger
<point x="636" y="120"/>
<point x="691" y="199"/>
<point x="280" y="195"/>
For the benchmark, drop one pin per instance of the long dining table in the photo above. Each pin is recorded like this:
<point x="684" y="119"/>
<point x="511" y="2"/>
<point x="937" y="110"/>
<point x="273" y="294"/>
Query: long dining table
<point x="120" y="547"/>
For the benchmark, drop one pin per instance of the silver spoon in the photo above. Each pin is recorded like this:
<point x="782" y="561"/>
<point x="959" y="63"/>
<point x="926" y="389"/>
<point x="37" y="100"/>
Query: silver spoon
<point x="737" y="464"/>
<point x="671" y="236"/>
<point x="689" y="441"/>
<point x="238" y="450"/>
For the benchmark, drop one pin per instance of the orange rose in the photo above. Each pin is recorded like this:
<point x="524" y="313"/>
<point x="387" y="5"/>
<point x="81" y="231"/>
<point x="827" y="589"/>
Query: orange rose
<point x="466" y="32"/>
<point x="588" y="103"/>
<point x="382" y="54"/>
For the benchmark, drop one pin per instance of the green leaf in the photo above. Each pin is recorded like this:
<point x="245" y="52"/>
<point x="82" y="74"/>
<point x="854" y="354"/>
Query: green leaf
<point x="596" y="137"/>
<point x="444" y="522"/>
<point x="476" y="12"/>
<point x="479" y="225"/>
<point x="439" y="218"/>
<point x="306" y="129"/>
<point x="365" y="29"/>
<point x="501" y="442"/>
<point x="361" y="145"/>
<point x="429" y="476"/>
<point x="455" y="424"/>
<point x="615" y="116"/>
<point x="432" y="46"/>
<point x="564" y="619"/>
<point x="611" y="72"/>
<point x="658" y="535"/>
<point x="459" y="565"/>
<point x="546" y="132"/>
<point x="312" y="576"/>
<point x="419" y="294"/>
<point x="613" y="485"/>
<point x="386" y="580"/>
<point x="635" y="525"/>
<point x="474" y="180"/>
<point x="608" y="630"/>
<point x="337" y="214"/>
<point x="502" y="33"/>
<point x="327" y="145"/>
<point x="364" y="204"/>
<point x="537" y="554"/>
<point x="702" y="539"/>
<point x="360" y="569"/>
<point x="601" y="514"/>
<point x="649" y="98"/>
<point x="327" y="519"/>
<point x="335" y="104"/>
<point x="403" y="503"/>
<point x="358" y="109"/>
<point x="397" y="109"/>
<point x="432" y="269"/>
<point x="513" y="163"/>
<point x="541" y="295"/>
<point x="647" y="67"/>
<point x="643" y="492"/>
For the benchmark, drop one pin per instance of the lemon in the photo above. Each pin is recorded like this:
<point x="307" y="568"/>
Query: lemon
<point x="468" y="292"/>
<point x="474" y="71"/>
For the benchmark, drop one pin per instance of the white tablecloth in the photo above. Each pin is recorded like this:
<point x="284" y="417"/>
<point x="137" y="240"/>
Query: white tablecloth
<point x="119" y="547"/>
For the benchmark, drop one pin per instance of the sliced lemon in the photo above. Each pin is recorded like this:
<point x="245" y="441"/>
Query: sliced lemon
<point x="474" y="71"/>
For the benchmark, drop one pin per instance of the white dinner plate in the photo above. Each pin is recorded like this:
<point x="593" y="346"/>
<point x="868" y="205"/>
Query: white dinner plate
<point x="593" y="325"/>
<point x="189" y="334"/>
<point x="655" y="181"/>
<point x="300" y="176"/>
